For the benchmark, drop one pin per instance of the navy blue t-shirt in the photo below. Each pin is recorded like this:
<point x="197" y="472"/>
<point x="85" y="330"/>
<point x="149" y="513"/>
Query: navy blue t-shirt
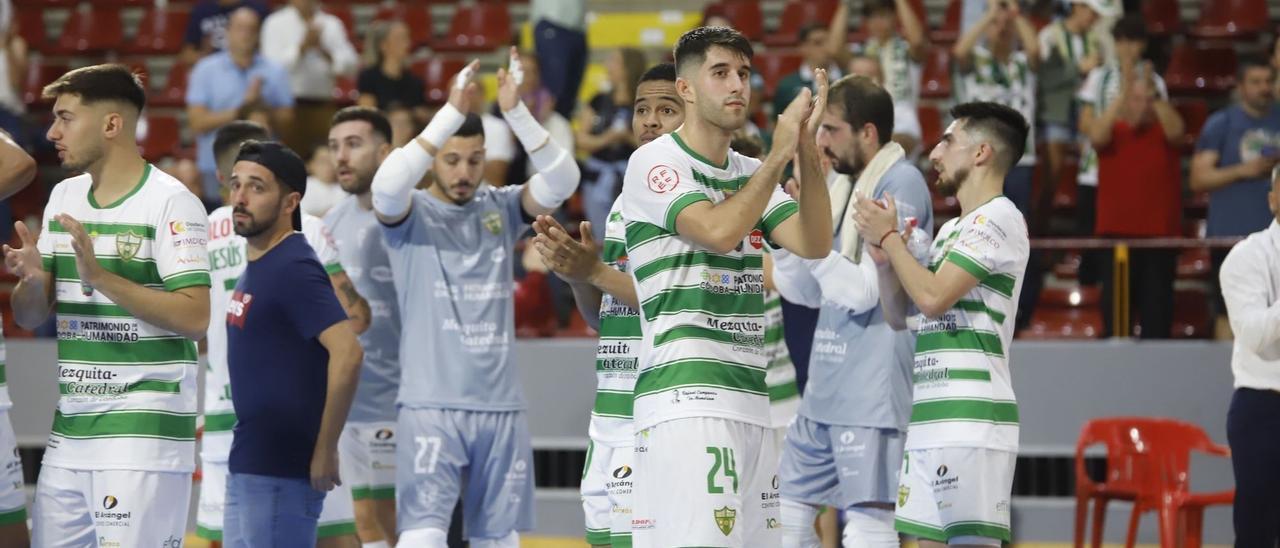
<point x="279" y="369"/>
<point x="1240" y="208"/>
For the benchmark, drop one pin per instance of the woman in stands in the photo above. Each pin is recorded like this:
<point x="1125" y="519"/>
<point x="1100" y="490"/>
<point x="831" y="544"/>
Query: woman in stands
<point x="604" y="132"/>
<point x="386" y="80"/>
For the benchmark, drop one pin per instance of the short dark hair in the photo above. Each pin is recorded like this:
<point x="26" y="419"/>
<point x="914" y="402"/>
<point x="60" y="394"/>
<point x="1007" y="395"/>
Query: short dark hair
<point x="471" y="127"/>
<point x="1250" y="62"/>
<point x="661" y="72"/>
<point x="1130" y="27"/>
<point x="376" y="119"/>
<point x="1004" y="124"/>
<point x="808" y="29"/>
<point x="872" y="7"/>
<point x="863" y="102"/>
<point x="692" y="47"/>
<point x="748" y="145"/>
<point x="229" y="137"/>
<point x="109" y="82"/>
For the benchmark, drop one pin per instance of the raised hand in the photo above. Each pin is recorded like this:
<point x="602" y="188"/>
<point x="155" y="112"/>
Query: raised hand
<point x="786" y="133"/>
<point x="509" y="83"/>
<point x="24" y="262"/>
<point x="462" y="85"/>
<point x="822" y="84"/>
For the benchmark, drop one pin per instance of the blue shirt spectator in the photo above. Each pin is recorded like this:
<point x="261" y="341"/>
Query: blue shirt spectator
<point x="1235" y="153"/>
<point x="207" y="27"/>
<point x="231" y="85"/>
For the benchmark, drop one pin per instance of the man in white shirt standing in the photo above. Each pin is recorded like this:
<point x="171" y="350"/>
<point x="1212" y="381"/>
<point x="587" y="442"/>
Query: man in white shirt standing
<point x="313" y="46"/>
<point x="1251" y="290"/>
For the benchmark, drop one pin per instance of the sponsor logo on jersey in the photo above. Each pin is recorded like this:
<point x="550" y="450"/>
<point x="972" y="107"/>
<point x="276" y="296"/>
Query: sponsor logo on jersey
<point x="725" y="519"/>
<point x="109" y="502"/>
<point x="622" y="472"/>
<point x="383" y="434"/>
<point x="662" y="179"/>
<point x="756" y="238"/>
<point x="108" y="518"/>
<point x="128" y="244"/>
<point x="177" y="227"/>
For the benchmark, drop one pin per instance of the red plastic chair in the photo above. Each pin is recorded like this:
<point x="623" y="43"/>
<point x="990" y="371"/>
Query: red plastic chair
<point x="949" y="32"/>
<point x="1148" y="463"/>
<point x="39" y="75"/>
<point x="91" y="30"/>
<point x="935" y="76"/>
<point x="344" y="91"/>
<point x="1191" y="317"/>
<point x="30" y="23"/>
<point x="930" y="127"/>
<point x="159" y="32"/>
<point x="773" y="66"/>
<point x="745" y="17"/>
<point x="796" y="14"/>
<point x="535" y="316"/>
<point x="1163" y="17"/>
<point x="479" y="27"/>
<point x="1203" y="69"/>
<point x="435" y="73"/>
<point x="163" y="137"/>
<point x="1066" y="313"/>
<point x="1194" y="112"/>
<point x="416" y="17"/>
<point x="1233" y="19"/>
<point x="174" y="92"/>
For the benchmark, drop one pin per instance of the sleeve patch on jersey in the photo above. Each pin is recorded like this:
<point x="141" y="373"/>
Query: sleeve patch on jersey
<point x="663" y="179"/>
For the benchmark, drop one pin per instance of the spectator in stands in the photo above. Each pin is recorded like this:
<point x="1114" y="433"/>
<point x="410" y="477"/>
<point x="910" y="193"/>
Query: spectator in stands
<point x="323" y="191"/>
<point x="312" y="45"/>
<point x="386" y="78"/>
<point x="404" y="127"/>
<point x="815" y="49"/>
<point x="13" y="72"/>
<point x="867" y="67"/>
<point x="1069" y="49"/>
<point x="1140" y="192"/>
<point x="207" y="27"/>
<point x="1001" y="73"/>
<point x="231" y="85"/>
<point x="1252" y="292"/>
<point x="900" y="56"/>
<point x="1237" y="148"/>
<point x="604" y="135"/>
<point x="560" y="40"/>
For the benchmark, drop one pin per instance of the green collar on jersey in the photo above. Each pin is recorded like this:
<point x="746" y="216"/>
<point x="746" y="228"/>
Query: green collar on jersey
<point x="145" y="174"/>
<point x="696" y="156"/>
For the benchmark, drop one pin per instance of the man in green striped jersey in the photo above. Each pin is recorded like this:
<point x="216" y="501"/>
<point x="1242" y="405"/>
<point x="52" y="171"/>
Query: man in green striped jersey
<point x="18" y="171"/>
<point x="697" y="218"/>
<point x="122" y="258"/>
<point x="962" y="439"/>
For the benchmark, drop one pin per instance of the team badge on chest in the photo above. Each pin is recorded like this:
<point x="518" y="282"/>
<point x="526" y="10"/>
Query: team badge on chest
<point x="128" y="244"/>
<point x="493" y="221"/>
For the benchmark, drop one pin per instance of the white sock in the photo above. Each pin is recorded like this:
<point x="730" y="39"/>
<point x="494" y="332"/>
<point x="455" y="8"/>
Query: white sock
<point x="425" y="538"/>
<point x="512" y="540"/>
<point x="797" y="525"/>
<point x="378" y="544"/>
<point x="869" y="527"/>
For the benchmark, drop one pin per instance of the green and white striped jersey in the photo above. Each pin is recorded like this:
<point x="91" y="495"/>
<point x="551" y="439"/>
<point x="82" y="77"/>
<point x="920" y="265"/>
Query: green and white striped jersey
<point x="702" y="312"/>
<point x="227" y="261"/>
<point x="128" y="388"/>
<point x="963" y="394"/>
<point x="619" y="347"/>
<point x="780" y="373"/>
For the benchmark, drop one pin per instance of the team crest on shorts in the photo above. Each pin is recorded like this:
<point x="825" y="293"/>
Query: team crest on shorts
<point x="493" y="222"/>
<point x="903" y="493"/>
<point x="128" y="244"/>
<point x="725" y="518"/>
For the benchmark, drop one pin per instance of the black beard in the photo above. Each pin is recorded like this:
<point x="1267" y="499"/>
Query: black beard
<point x="951" y="187"/>
<point x="253" y="228"/>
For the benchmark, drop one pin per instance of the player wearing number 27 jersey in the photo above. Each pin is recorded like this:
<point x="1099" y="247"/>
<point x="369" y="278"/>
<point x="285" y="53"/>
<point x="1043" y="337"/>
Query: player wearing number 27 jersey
<point x="698" y="216"/>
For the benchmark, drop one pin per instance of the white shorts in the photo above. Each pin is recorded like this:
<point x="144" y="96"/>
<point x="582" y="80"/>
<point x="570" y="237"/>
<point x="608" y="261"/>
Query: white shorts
<point x="606" y="493"/>
<point x="367" y="458"/>
<point x="706" y="482"/>
<point x="13" y="499"/>
<point x="337" y="518"/>
<point x="109" y="508"/>
<point x="951" y="492"/>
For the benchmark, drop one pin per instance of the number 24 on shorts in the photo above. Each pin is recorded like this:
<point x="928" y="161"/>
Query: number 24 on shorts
<point x="724" y="463"/>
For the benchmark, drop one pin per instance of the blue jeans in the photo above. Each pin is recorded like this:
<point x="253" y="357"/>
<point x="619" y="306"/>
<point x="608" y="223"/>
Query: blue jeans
<point x="270" y="511"/>
<point x="562" y="58"/>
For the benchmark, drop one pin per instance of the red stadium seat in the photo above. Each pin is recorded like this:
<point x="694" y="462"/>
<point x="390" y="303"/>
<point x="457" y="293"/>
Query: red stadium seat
<point x="1231" y="19"/>
<point x="90" y="30"/>
<point x="159" y="32"/>
<point x="1163" y="17"/>
<point x="1191" y="317"/>
<point x="123" y="3"/>
<point x="480" y="27"/>
<point x="31" y="27"/>
<point x="1066" y="313"/>
<point x="935" y="78"/>
<point x="1202" y="69"/>
<point x="344" y="91"/>
<point x="40" y="75"/>
<point x="436" y="73"/>
<point x="950" y="30"/>
<point x="163" y="138"/>
<point x="795" y="15"/>
<point x="1194" y="113"/>
<point x="416" y="17"/>
<point x="1064" y="193"/>
<point x="174" y="92"/>
<point x="1149" y="464"/>
<point x="535" y="315"/>
<point x="773" y="66"/>
<point x="745" y="17"/>
<point x="1069" y="267"/>
<point x="930" y="127"/>
<point x="42" y="4"/>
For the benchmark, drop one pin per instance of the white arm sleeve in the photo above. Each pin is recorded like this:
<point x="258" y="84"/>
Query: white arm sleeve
<point x="794" y="281"/>
<point x="848" y="285"/>
<point x="405" y="166"/>
<point x="558" y="173"/>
